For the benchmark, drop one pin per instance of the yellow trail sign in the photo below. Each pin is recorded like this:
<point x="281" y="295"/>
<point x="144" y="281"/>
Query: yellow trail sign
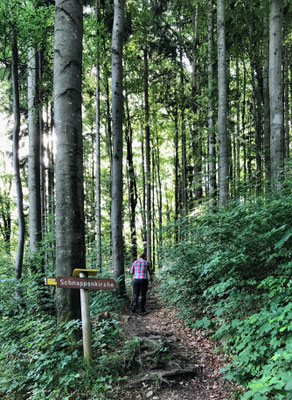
<point x="51" y="281"/>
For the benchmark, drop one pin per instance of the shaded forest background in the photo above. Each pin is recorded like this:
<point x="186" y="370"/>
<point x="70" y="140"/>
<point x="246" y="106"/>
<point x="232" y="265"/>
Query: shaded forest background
<point x="203" y="129"/>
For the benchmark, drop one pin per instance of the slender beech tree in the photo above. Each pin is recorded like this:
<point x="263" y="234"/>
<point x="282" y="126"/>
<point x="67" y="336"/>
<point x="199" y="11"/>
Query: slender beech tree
<point x="17" y="178"/>
<point x="148" y="157"/>
<point x="132" y="186"/>
<point x="34" y="181"/>
<point x="286" y="106"/>
<point x="183" y="140"/>
<point x="276" y="92"/>
<point x="117" y="132"/>
<point x="196" y="131"/>
<point x="211" y="127"/>
<point x="98" y="182"/>
<point x="70" y="238"/>
<point x="222" y="105"/>
<point x="143" y="205"/>
<point x="266" y="106"/>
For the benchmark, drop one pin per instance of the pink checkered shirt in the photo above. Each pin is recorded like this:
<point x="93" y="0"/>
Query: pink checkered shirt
<point x="139" y="269"/>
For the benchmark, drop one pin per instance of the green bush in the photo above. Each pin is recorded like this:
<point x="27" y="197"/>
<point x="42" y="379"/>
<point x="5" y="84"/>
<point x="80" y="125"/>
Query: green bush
<point x="230" y="275"/>
<point x="42" y="358"/>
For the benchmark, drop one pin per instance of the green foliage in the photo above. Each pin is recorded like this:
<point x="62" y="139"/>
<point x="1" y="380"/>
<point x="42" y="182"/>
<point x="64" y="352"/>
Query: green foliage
<point x="230" y="276"/>
<point x="43" y="358"/>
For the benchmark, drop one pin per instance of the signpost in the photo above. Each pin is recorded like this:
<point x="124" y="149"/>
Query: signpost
<point x="80" y="281"/>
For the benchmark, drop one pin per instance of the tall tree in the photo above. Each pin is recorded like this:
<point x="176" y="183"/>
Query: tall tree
<point x="117" y="132"/>
<point x="98" y="182"/>
<point x="148" y="156"/>
<point x="276" y="92"/>
<point x="16" y="167"/>
<point x="211" y="127"/>
<point x="70" y="241"/>
<point x="196" y="131"/>
<point x="34" y="182"/>
<point x="131" y="183"/>
<point x="222" y="105"/>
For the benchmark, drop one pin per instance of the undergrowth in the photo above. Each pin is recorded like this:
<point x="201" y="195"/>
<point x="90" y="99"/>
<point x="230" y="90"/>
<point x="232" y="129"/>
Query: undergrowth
<point x="230" y="276"/>
<point x="42" y="359"/>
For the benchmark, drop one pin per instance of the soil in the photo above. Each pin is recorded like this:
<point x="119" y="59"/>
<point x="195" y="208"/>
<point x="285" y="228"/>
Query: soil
<point x="173" y="362"/>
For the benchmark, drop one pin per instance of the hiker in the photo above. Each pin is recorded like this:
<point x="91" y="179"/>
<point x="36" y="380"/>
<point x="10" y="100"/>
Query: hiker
<point x="141" y="269"/>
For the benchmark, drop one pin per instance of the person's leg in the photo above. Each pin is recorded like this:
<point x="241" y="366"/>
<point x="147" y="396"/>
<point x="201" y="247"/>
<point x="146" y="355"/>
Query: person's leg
<point x="144" y="287"/>
<point x="136" y="292"/>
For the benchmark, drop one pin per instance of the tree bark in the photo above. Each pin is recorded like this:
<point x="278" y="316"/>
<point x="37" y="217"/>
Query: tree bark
<point x="211" y="112"/>
<point x="267" y="135"/>
<point x="243" y="113"/>
<point x="183" y="142"/>
<point x="276" y="92"/>
<point x="98" y="182"/>
<point x="238" y="160"/>
<point x="159" y="200"/>
<point x="117" y="131"/>
<point x="176" y="177"/>
<point x="17" y="178"/>
<point x="148" y="159"/>
<point x="34" y="178"/>
<point x="132" y="185"/>
<point x="144" y="223"/>
<point x="196" y="133"/>
<point x="222" y="106"/>
<point x="70" y="238"/>
<point x="286" y="107"/>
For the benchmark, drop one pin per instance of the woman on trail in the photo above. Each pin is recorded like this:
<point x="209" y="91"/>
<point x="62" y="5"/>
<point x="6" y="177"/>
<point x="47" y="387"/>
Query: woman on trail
<point x="140" y="281"/>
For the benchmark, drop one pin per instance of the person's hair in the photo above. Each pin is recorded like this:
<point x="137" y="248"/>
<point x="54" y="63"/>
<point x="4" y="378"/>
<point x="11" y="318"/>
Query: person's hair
<point x="142" y="255"/>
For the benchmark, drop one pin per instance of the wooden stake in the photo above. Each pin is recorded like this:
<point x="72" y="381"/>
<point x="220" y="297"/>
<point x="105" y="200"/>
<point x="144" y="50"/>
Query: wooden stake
<point x="86" y="325"/>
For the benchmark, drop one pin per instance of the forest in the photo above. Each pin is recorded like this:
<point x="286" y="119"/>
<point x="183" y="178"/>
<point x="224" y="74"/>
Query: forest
<point x="145" y="126"/>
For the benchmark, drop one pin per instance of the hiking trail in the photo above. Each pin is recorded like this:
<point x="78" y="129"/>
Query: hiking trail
<point x="172" y="362"/>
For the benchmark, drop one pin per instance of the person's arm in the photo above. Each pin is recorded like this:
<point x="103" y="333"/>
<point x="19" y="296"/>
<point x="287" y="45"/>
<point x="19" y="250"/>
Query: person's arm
<point x="132" y="269"/>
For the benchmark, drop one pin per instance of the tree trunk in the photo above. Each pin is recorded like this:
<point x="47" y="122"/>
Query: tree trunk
<point x="109" y="125"/>
<point x="17" y="179"/>
<point x="117" y="131"/>
<point x="267" y="135"/>
<point x="222" y="106"/>
<point x="159" y="199"/>
<point x="244" y="145"/>
<point x="144" y="223"/>
<point x="183" y="142"/>
<point x="211" y="112"/>
<point x="286" y="107"/>
<point x="196" y="134"/>
<point x="238" y="160"/>
<point x="153" y="212"/>
<point x="257" y="123"/>
<point x="132" y="185"/>
<point x="70" y="238"/>
<point x="98" y="183"/>
<point x="276" y="93"/>
<point x="51" y="166"/>
<point x="148" y="160"/>
<point x="34" y="179"/>
<point x="176" y="177"/>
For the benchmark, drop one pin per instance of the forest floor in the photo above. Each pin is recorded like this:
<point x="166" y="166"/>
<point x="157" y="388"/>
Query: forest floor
<point x="172" y="362"/>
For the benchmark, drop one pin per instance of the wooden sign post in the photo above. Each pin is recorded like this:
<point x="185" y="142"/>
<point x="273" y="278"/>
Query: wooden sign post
<point x="86" y="325"/>
<point x="81" y="281"/>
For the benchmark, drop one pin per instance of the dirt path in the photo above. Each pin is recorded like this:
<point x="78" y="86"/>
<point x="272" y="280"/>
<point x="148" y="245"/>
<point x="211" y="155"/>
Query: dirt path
<point x="172" y="363"/>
